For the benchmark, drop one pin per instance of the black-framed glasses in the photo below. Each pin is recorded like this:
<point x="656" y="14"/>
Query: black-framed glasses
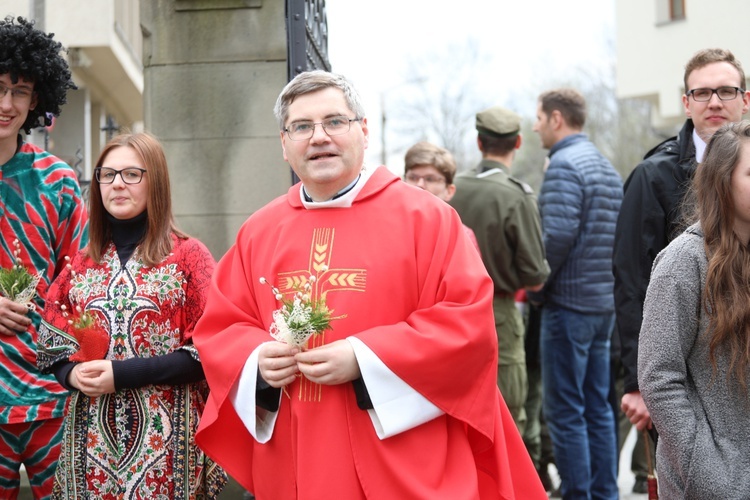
<point x="724" y="93"/>
<point x="130" y="175"/>
<point x="16" y="94"/>
<point x="335" y="125"/>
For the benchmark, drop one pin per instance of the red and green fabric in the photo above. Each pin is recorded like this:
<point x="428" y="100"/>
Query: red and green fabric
<point x="41" y="206"/>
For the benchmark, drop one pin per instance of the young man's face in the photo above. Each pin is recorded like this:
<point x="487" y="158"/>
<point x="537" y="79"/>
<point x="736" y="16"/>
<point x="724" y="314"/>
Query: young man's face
<point x="430" y="179"/>
<point x="709" y="116"/>
<point x="543" y="127"/>
<point x="325" y="164"/>
<point x="14" y="109"/>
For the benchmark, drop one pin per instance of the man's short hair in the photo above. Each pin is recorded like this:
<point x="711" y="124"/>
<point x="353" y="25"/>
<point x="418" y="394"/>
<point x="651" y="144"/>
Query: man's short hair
<point x="709" y="56"/>
<point x="32" y="54"/>
<point x="569" y="102"/>
<point x="424" y="153"/>
<point x="497" y="146"/>
<point x="312" y="81"/>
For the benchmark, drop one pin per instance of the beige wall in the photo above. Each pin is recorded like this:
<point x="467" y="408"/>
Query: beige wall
<point x="651" y="56"/>
<point x="202" y="75"/>
<point x="105" y="51"/>
<point x="212" y="76"/>
<point x="103" y="39"/>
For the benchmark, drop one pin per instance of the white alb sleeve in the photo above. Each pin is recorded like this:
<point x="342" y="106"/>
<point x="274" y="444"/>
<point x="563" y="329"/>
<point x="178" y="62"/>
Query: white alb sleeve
<point x="258" y="421"/>
<point x="396" y="406"/>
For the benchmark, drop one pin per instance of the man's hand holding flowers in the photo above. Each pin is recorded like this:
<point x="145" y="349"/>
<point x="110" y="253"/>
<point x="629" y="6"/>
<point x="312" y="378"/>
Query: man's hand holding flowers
<point x="277" y="364"/>
<point x="329" y="364"/>
<point x="298" y="319"/>
<point x="17" y="290"/>
<point x="13" y="318"/>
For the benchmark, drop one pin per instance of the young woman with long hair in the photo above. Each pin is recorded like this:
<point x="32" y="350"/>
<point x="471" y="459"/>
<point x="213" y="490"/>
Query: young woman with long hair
<point x="694" y="352"/>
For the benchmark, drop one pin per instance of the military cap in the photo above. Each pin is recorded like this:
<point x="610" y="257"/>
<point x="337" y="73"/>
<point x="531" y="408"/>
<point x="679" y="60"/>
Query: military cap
<point x="499" y="122"/>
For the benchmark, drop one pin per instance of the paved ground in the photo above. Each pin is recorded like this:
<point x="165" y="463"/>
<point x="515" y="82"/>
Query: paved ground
<point x="626" y="479"/>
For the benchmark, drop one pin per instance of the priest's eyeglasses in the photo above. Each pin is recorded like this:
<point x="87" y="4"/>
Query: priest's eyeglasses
<point x="724" y="93"/>
<point x="130" y="175"/>
<point x="304" y="130"/>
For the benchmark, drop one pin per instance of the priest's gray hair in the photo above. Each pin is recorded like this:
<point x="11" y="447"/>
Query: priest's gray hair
<point x="312" y="81"/>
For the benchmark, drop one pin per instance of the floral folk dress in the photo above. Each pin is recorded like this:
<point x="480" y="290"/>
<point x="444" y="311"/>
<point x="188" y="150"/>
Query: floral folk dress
<point x="133" y="443"/>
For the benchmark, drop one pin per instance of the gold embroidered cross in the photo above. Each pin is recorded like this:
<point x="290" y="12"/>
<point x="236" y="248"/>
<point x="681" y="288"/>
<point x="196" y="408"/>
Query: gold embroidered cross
<point x="328" y="279"/>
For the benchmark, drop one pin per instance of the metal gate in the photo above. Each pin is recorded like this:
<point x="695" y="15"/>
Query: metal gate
<point x="307" y="36"/>
<point x="307" y="40"/>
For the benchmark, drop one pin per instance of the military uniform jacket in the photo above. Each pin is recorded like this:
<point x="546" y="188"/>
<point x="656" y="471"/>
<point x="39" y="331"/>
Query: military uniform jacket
<point x="502" y="212"/>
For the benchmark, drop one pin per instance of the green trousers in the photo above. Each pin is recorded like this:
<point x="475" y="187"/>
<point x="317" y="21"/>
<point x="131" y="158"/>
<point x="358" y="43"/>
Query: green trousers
<point x="511" y="370"/>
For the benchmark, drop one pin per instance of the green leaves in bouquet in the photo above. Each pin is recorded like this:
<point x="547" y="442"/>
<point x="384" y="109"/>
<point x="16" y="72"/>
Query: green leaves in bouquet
<point x="16" y="283"/>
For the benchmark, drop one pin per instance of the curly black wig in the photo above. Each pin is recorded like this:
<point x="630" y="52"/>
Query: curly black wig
<point x="35" y="56"/>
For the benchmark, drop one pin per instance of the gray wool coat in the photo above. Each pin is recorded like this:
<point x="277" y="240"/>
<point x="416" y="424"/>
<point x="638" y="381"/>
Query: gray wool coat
<point x="703" y="419"/>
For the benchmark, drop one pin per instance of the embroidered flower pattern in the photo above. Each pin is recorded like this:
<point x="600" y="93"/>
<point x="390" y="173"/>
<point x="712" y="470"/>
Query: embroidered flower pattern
<point x="156" y="339"/>
<point x="92" y="283"/>
<point x="166" y="283"/>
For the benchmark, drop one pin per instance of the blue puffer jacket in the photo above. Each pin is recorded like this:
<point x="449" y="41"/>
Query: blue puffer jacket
<point x="579" y="202"/>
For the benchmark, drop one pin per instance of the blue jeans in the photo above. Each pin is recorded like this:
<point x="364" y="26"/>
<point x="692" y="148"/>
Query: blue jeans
<point x="575" y="377"/>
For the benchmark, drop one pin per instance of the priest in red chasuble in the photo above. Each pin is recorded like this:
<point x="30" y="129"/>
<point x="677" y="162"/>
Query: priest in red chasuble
<point x="348" y="339"/>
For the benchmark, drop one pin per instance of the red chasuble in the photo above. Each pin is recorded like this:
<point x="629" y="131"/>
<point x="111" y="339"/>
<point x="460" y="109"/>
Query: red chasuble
<point x="399" y="274"/>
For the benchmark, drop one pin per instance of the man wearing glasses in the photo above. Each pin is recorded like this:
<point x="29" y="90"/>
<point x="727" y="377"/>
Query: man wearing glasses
<point x="397" y="399"/>
<point x="40" y="209"/>
<point x="651" y="216"/>
<point x="502" y="211"/>
<point x="433" y="168"/>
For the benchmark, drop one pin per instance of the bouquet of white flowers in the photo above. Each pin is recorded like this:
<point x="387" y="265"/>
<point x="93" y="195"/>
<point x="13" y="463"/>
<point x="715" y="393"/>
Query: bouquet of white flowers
<point x="300" y="317"/>
<point x="16" y="283"/>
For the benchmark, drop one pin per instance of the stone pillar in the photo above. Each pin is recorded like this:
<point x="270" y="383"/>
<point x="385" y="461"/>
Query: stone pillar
<point x="212" y="72"/>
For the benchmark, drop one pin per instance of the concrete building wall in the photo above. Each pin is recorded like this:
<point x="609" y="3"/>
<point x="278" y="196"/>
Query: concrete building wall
<point x="652" y="51"/>
<point x="212" y="73"/>
<point x="104" y="52"/>
<point x="103" y="39"/>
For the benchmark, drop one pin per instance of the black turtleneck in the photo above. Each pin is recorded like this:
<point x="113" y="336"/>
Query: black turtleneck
<point x="178" y="367"/>
<point x="127" y="234"/>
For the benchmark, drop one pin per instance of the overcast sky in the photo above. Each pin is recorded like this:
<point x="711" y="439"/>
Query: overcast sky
<point x="372" y="43"/>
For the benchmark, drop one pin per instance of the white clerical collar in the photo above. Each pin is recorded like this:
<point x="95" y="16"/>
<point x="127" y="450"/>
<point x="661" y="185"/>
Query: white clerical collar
<point x="343" y="201"/>
<point x="700" y="146"/>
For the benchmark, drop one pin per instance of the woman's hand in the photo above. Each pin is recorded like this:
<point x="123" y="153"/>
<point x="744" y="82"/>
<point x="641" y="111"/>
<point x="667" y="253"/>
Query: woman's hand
<point x="93" y="378"/>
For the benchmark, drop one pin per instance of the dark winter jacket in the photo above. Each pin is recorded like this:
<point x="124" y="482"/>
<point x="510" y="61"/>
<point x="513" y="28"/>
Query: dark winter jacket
<point x="650" y="217"/>
<point x="579" y="201"/>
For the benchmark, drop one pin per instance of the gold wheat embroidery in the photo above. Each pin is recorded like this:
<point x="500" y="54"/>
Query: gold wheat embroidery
<point x="329" y="279"/>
